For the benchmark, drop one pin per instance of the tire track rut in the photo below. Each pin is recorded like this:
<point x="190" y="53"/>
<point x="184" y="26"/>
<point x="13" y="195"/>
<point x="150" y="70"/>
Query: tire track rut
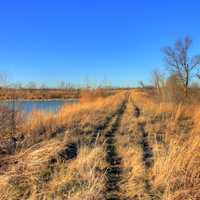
<point x="114" y="170"/>
<point x="71" y="150"/>
<point x="147" y="157"/>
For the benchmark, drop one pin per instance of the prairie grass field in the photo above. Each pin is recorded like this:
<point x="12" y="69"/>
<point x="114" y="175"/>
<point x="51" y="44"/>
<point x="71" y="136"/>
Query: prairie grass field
<point x="99" y="100"/>
<point x="123" y="146"/>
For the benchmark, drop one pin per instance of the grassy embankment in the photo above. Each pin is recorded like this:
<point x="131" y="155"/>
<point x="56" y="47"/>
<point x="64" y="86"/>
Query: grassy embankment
<point x="42" y="167"/>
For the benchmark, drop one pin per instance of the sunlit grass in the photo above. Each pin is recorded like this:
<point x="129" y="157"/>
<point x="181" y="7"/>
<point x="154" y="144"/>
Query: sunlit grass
<point x="176" y="145"/>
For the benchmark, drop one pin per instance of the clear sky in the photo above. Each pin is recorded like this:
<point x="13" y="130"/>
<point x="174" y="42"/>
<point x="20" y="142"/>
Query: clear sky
<point x="74" y="40"/>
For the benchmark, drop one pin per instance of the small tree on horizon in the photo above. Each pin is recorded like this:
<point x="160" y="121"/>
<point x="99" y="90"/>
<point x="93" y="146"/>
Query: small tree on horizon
<point x="157" y="80"/>
<point x="141" y="84"/>
<point x="3" y="80"/>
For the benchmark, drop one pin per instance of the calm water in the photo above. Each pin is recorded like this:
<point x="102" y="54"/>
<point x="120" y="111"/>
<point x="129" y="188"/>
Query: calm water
<point x="47" y="105"/>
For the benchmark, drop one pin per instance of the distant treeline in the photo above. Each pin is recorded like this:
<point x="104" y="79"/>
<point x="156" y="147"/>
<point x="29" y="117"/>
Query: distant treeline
<point x="35" y="94"/>
<point x="11" y="93"/>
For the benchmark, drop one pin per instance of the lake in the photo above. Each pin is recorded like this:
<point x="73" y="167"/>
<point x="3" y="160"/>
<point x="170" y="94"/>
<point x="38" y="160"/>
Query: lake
<point x="46" y="105"/>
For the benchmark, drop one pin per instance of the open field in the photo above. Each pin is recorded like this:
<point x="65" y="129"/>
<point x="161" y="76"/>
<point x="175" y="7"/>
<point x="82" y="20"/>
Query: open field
<point x="99" y="100"/>
<point x="9" y="93"/>
<point x="126" y="146"/>
<point x="46" y="94"/>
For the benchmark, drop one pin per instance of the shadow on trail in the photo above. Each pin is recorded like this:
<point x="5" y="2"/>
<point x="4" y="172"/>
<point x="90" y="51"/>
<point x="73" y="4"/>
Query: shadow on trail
<point x="69" y="152"/>
<point x="148" y="157"/>
<point x="147" y="151"/>
<point x="113" y="172"/>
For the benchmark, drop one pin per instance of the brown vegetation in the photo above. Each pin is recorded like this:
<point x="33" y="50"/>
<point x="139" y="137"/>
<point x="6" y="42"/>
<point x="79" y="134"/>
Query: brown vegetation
<point x="41" y="169"/>
<point x="133" y="145"/>
<point x="9" y="93"/>
<point x="174" y="137"/>
<point x="88" y="95"/>
<point x="140" y="144"/>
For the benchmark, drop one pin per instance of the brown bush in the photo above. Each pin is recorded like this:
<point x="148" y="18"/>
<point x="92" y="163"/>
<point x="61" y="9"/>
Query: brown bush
<point x="94" y="94"/>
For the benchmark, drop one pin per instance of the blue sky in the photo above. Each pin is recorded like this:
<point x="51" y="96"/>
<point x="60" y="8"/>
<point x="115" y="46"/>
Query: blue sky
<point x="96" y="40"/>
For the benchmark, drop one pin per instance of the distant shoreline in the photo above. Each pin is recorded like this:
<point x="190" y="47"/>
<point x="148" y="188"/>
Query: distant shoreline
<point x="37" y="94"/>
<point x="40" y="100"/>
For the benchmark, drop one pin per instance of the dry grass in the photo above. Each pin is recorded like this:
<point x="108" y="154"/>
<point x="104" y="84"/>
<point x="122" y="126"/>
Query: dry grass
<point x="179" y="170"/>
<point x="132" y="184"/>
<point x="7" y="93"/>
<point x="88" y="95"/>
<point x="32" y="172"/>
<point x="36" y="94"/>
<point x="79" y="179"/>
<point x="81" y="118"/>
<point x="33" y="178"/>
<point x="174" y="136"/>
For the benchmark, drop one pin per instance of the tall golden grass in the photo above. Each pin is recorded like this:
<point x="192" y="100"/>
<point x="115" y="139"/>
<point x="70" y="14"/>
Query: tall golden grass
<point x="89" y="94"/>
<point x="173" y="134"/>
<point x="83" y="117"/>
<point x="29" y="174"/>
<point x="176" y="172"/>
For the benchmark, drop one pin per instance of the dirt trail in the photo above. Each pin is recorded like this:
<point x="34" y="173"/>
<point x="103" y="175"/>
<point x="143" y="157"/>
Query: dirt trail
<point x="148" y="157"/>
<point x="147" y="151"/>
<point x="101" y="128"/>
<point x="114" y="170"/>
<point x="71" y="150"/>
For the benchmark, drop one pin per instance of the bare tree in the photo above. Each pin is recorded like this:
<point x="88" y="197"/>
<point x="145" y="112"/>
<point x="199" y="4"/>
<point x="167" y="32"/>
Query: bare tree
<point x="158" y="80"/>
<point x="31" y="85"/>
<point x="3" y="80"/>
<point x="180" y="63"/>
<point x="43" y="86"/>
<point x="141" y="84"/>
<point x="62" y="85"/>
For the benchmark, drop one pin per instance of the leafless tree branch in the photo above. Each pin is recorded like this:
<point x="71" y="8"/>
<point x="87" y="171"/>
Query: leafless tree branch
<point x="179" y="62"/>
